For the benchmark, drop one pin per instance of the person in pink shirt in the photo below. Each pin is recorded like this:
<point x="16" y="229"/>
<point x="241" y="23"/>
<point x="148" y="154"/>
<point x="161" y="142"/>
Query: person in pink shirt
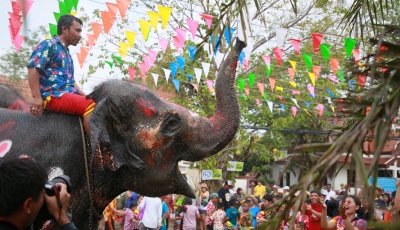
<point x="131" y="221"/>
<point x="211" y="208"/>
<point x="219" y="217"/>
<point x="190" y="214"/>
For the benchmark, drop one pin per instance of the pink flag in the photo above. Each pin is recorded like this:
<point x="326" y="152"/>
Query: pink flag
<point x="193" y="24"/>
<point x="163" y="44"/>
<point x="267" y="60"/>
<point x="16" y="41"/>
<point x="333" y="78"/>
<point x="261" y="88"/>
<point x="334" y="65"/>
<point x="181" y="33"/>
<point x="247" y="91"/>
<point x="25" y="5"/>
<point x="143" y="71"/>
<point x="246" y="64"/>
<point x="132" y="73"/>
<point x="147" y="62"/>
<point x="278" y="54"/>
<point x="210" y="85"/>
<point x="153" y="56"/>
<point x="208" y="19"/>
<point x="316" y="40"/>
<point x="311" y="89"/>
<point x="258" y="102"/>
<point x="296" y="92"/>
<point x="320" y="109"/>
<point x="294" y="110"/>
<point x="15" y="7"/>
<point x="272" y="83"/>
<point x="196" y="87"/>
<point x="177" y="43"/>
<point x="291" y="73"/>
<point x="316" y="70"/>
<point x="296" y="45"/>
<point x="356" y="53"/>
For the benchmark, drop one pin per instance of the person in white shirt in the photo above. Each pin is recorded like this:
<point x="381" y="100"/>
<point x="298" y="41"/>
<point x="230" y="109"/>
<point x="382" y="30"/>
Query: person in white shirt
<point x="329" y="192"/>
<point x="152" y="214"/>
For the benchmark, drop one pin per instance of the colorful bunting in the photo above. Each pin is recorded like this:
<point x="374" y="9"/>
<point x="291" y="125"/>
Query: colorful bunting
<point x="296" y="92"/>
<point x="91" y="41"/>
<point x="325" y="50"/>
<point x="351" y="82"/>
<point x="196" y="87"/>
<point x="311" y="89"/>
<point x="108" y="21"/>
<point x="320" y="109"/>
<point x="241" y="83"/>
<point x="145" y="28"/>
<point x="130" y="36"/>
<point x="293" y="63"/>
<point x="272" y="83"/>
<point x="197" y="73"/>
<point x="181" y="62"/>
<point x="261" y="88"/>
<point x="208" y="18"/>
<point x="241" y="57"/>
<point x="153" y="56"/>
<point x="333" y="78"/>
<point x="312" y="78"/>
<point x="118" y="58"/>
<point x="316" y="70"/>
<point x="96" y="27"/>
<point x="192" y="24"/>
<point x="316" y="39"/>
<point x="167" y="73"/>
<point x="305" y="110"/>
<point x="293" y="84"/>
<point x="173" y="66"/>
<point x="356" y="53"/>
<point x="279" y="88"/>
<point x="218" y="58"/>
<point x="349" y="43"/>
<point x="163" y="44"/>
<point x="153" y="19"/>
<point x="361" y="80"/>
<point x="334" y="64"/>
<point x="283" y="107"/>
<point x="251" y="77"/>
<point x="84" y="51"/>
<point x="278" y="55"/>
<point x="280" y="36"/>
<point x="181" y="33"/>
<point x="228" y="34"/>
<point x="25" y="6"/>
<point x="296" y="45"/>
<point x="267" y="60"/>
<point x="190" y="77"/>
<point x="247" y="91"/>
<point x="176" y="84"/>
<point x="206" y="68"/>
<point x="268" y="70"/>
<point x="308" y="104"/>
<point x="291" y="73"/>
<point x="177" y="43"/>
<point x="270" y="106"/>
<point x="210" y="85"/>
<point x="123" y="48"/>
<point x="155" y="78"/>
<point x="295" y="102"/>
<point x="340" y="74"/>
<point x="258" y="102"/>
<point x="132" y="73"/>
<point x="143" y="70"/>
<point x="123" y="6"/>
<point x="165" y="13"/>
<point x="308" y="60"/>
<point x="112" y="9"/>
<point x="294" y="110"/>
<point x="110" y="63"/>
<point x="246" y="64"/>
<point x="53" y="30"/>
<point x="330" y="93"/>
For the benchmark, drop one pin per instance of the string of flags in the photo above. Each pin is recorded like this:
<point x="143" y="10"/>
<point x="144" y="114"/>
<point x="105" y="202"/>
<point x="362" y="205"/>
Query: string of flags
<point x="20" y="9"/>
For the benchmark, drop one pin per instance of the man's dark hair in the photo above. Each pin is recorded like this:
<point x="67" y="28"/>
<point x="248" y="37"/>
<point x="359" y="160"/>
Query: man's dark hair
<point x="316" y="191"/>
<point x="66" y="20"/>
<point x="132" y="205"/>
<point x="268" y="197"/>
<point x="220" y="205"/>
<point x="19" y="180"/>
<point x="328" y="184"/>
<point x="232" y="202"/>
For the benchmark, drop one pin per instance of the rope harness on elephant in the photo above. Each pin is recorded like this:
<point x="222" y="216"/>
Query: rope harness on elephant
<point x="86" y="143"/>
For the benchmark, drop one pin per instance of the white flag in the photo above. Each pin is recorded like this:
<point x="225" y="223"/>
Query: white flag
<point x="167" y="72"/>
<point x="295" y="102"/>
<point x="198" y="72"/>
<point x="270" y="105"/>
<point x="218" y="58"/>
<point x="280" y="36"/>
<point x="206" y="68"/>
<point x="155" y="78"/>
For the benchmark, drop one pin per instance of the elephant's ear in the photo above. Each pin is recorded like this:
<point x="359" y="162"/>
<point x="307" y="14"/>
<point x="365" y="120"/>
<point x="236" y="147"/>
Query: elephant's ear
<point x="109" y="149"/>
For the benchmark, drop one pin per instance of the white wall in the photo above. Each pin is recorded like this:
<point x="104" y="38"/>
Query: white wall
<point x="242" y="183"/>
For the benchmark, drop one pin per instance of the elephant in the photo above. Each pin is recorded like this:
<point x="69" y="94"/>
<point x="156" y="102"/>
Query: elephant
<point x="11" y="99"/>
<point x="136" y="141"/>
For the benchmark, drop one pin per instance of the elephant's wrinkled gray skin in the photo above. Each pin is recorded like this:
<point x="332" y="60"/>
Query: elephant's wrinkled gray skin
<point x="137" y="140"/>
<point x="10" y="99"/>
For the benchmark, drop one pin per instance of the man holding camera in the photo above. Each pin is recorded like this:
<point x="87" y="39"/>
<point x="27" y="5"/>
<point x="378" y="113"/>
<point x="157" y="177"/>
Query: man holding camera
<point x="22" y="195"/>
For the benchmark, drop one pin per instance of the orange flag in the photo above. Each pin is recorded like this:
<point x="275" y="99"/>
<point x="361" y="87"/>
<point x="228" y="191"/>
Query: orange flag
<point x="272" y="83"/>
<point x="291" y="73"/>
<point x="112" y="9"/>
<point x="84" y="51"/>
<point x="316" y="70"/>
<point x="108" y="21"/>
<point x="91" y="41"/>
<point x="334" y="64"/>
<point x="123" y="7"/>
<point x="261" y="88"/>
<point x="96" y="27"/>
<point x="356" y="53"/>
<point x="247" y="91"/>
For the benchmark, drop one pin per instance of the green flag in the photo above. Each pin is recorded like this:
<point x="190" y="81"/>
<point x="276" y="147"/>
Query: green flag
<point x="265" y="96"/>
<point x="308" y="60"/>
<point x="349" y="43"/>
<point x="63" y="8"/>
<point x="75" y="3"/>
<point x="251" y="77"/>
<point x="53" y="29"/>
<point x="68" y="5"/>
<point x="110" y="63"/>
<point x="118" y="58"/>
<point x="56" y="16"/>
<point x="326" y="53"/>
<point x="340" y="74"/>
<point x="241" y="82"/>
<point x="268" y="70"/>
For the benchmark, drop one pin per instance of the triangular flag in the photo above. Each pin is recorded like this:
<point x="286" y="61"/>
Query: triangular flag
<point x="163" y="44"/>
<point x="316" y="70"/>
<point x="181" y="33"/>
<point x="118" y="58"/>
<point x="361" y="80"/>
<point x="308" y="104"/>
<point x="16" y="8"/>
<point x="351" y="82"/>
<point x="177" y="43"/>
<point x="356" y="53"/>
<point x="295" y="102"/>
<point x="247" y="91"/>
<point x="130" y="36"/>
<point x="210" y="85"/>
<point x="340" y="74"/>
<point x="320" y="109"/>
<point x="333" y="78"/>
<point x="312" y="77"/>
<point x="265" y="96"/>
<point x="267" y="60"/>
<point x="112" y="9"/>
<point x="251" y="77"/>
<point x="153" y="19"/>
<point x="258" y="102"/>
<point x="246" y="64"/>
<point x="181" y="62"/>
<point x="167" y="73"/>
<point x="208" y="18"/>
<point x="143" y="71"/>
<point x="316" y="39"/>
<point x="334" y="65"/>
<point x="349" y="43"/>
<point x="123" y="6"/>
<point x="293" y="63"/>
<point x="147" y="62"/>
<point x="53" y="30"/>
<point x="228" y="34"/>
<point x="292" y="83"/>
<point x="84" y="51"/>
<point x="311" y="89"/>
<point x="110" y="63"/>
<point x="272" y="83"/>
<point x="216" y="43"/>
<point x="296" y="45"/>
<point x="307" y="112"/>
<point x="145" y="28"/>
<point x="57" y="16"/>
<point x="96" y="27"/>
<point x="155" y="78"/>
<point x="261" y="88"/>
<point x="62" y="8"/>
<point x="278" y="55"/>
<point x="196" y="87"/>
<point x="325" y="50"/>
<point x="91" y="41"/>
<point x="108" y="21"/>
<point x="296" y="92"/>
<point x="330" y="93"/>
<point x="165" y="13"/>
<point x="291" y="73"/>
<point x="294" y="110"/>
<point x="279" y="88"/>
<point x="153" y="56"/>
<point x="241" y="57"/>
<point x="268" y="70"/>
<point x="192" y="52"/>
<point x="241" y="83"/>
<point x="206" y="68"/>
<point x="270" y="106"/>
<point x="308" y="60"/>
<point x="283" y="107"/>
<point x="124" y="47"/>
<point x="192" y="24"/>
<point x="132" y="73"/>
<point x="218" y="59"/>
<point x="174" y="68"/>
<point x="25" y="6"/>
<point x="176" y="84"/>
<point x="198" y="72"/>
<point x="280" y="36"/>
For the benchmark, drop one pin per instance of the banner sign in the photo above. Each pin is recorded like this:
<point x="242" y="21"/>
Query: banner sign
<point x="235" y="166"/>
<point x="213" y="174"/>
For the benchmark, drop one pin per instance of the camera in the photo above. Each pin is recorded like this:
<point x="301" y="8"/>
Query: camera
<point x="51" y="189"/>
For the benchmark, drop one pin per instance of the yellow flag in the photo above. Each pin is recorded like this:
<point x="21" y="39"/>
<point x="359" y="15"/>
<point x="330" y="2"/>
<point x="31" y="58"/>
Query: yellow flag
<point x="124" y="47"/>
<point x="131" y="36"/>
<point x="165" y="13"/>
<point x="312" y="77"/>
<point x="145" y="28"/>
<point x="333" y="109"/>
<point x="307" y="112"/>
<point x="293" y="63"/>
<point x="122" y="52"/>
<point x="292" y="83"/>
<point x="153" y="19"/>
<point x="47" y="37"/>
<point x="73" y="13"/>
<point x="279" y="88"/>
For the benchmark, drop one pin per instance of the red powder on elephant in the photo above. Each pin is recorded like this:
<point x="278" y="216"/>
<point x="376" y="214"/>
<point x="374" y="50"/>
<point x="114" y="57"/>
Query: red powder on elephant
<point x="166" y="158"/>
<point x="145" y="107"/>
<point x="7" y="125"/>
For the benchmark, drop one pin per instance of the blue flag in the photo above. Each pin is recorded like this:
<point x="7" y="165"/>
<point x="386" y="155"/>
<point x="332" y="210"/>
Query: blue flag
<point x="228" y="35"/>
<point x="216" y="45"/>
<point x="173" y="66"/>
<point x="283" y="107"/>
<point x="192" y="52"/>
<point x="241" y="57"/>
<point x="308" y="105"/>
<point x="330" y="93"/>
<point x="181" y="62"/>
<point x="351" y="84"/>
<point x="176" y="84"/>
<point x="189" y="76"/>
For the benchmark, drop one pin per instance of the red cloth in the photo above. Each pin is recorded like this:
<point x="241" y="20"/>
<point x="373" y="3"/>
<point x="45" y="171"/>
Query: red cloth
<point x="314" y="222"/>
<point x="70" y="104"/>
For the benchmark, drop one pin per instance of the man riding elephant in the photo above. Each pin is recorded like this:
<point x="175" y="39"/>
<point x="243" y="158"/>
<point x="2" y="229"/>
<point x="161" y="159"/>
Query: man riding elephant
<point x="51" y="74"/>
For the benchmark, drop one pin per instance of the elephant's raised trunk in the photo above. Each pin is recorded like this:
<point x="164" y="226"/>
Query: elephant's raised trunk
<point x="213" y="134"/>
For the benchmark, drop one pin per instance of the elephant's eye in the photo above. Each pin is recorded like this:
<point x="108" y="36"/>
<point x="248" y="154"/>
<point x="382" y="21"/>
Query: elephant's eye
<point x="171" y="124"/>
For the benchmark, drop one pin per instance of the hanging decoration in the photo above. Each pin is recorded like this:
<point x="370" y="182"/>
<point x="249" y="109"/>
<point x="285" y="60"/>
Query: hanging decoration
<point x="132" y="73"/>
<point x="296" y="45"/>
<point x="349" y="43"/>
<point x="197" y="73"/>
<point x="192" y="24"/>
<point x="272" y="83"/>
<point x="165" y="13"/>
<point x="208" y="18"/>
<point x="325" y="50"/>
<point x="316" y="40"/>
<point x="154" y="16"/>
<point x="145" y="28"/>
<point x="308" y="60"/>
<point x="278" y="54"/>
<point x="280" y="36"/>
<point x="167" y="73"/>
<point x="163" y="44"/>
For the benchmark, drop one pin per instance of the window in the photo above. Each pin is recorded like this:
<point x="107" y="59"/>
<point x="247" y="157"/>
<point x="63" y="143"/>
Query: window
<point x="288" y="178"/>
<point x="351" y="181"/>
<point x="385" y="173"/>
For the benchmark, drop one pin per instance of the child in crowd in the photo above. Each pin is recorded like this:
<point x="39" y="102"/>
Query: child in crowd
<point x="246" y="217"/>
<point x="219" y="217"/>
<point x="232" y="214"/>
<point x="131" y="216"/>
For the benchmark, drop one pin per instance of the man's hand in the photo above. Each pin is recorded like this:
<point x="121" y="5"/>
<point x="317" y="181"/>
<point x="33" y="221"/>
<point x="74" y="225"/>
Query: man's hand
<point x="37" y="106"/>
<point x="52" y="205"/>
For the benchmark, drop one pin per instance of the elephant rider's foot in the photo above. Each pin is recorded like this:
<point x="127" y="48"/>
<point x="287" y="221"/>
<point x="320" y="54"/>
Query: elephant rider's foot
<point x="86" y="120"/>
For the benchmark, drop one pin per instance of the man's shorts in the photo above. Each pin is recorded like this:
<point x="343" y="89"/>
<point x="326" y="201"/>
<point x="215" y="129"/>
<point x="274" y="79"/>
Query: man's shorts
<point x="70" y="104"/>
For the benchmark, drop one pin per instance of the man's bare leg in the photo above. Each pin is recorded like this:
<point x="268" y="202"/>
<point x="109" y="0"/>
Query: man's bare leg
<point x="86" y="120"/>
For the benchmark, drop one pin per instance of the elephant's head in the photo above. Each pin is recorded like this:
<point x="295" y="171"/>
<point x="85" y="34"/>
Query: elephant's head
<point x="150" y="136"/>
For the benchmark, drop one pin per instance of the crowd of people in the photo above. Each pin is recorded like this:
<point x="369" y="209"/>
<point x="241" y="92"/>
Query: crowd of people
<point x="229" y="209"/>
